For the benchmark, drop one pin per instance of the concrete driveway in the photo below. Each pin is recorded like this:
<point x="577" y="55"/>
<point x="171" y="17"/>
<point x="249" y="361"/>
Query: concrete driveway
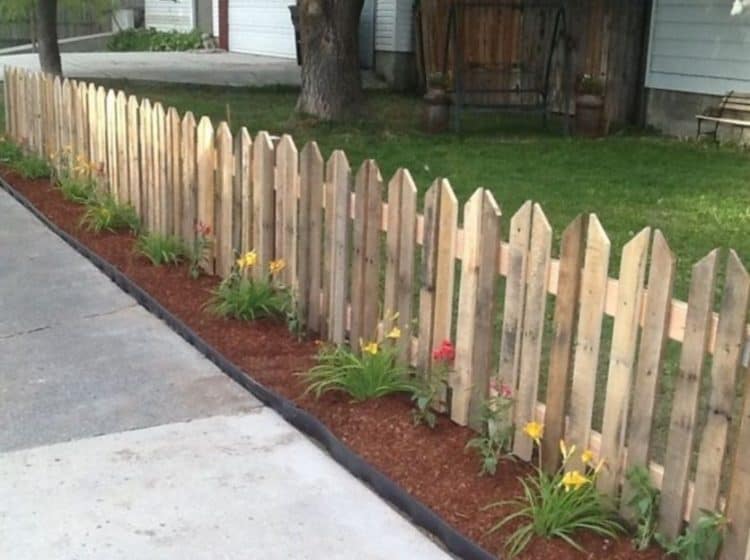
<point x="118" y="440"/>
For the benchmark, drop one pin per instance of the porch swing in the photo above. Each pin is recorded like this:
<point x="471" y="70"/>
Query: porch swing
<point x="500" y="54"/>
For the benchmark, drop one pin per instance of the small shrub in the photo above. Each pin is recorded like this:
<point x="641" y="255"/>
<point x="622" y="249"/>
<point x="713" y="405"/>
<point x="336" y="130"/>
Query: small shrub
<point x="103" y="212"/>
<point x="497" y="429"/>
<point x="243" y="297"/>
<point x="558" y="505"/>
<point x="201" y="244"/>
<point x="76" y="189"/>
<point x="9" y="152"/>
<point x="700" y="542"/>
<point x="427" y="390"/>
<point x="645" y="503"/>
<point x="372" y="374"/>
<point x="31" y="167"/>
<point x="161" y="249"/>
<point x="153" y="40"/>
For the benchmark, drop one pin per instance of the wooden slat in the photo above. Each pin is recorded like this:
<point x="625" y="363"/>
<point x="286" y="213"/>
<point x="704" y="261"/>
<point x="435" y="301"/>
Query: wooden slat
<point x="368" y="185"/>
<point x="121" y="139"/>
<point x="685" y="405"/>
<point x="515" y="296"/>
<point x="161" y="195"/>
<point x="57" y="123"/>
<point x="7" y="77"/>
<point x="310" y="249"/>
<point x="738" y="492"/>
<point x="110" y="127"/>
<point x="537" y="271"/>
<point x="205" y="158"/>
<point x="101" y="133"/>
<point x="134" y="154"/>
<point x="561" y="352"/>
<point x="338" y="178"/>
<point x="175" y="175"/>
<point x="476" y="309"/>
<point x="147" y="180"/>
<point x="622" y="359"/>
<point x="263" y="202"/>
<point x="588" y="339"/>
<point x="188" y="155"/>
<point x="244" y="173"/>
<point x="93" y="155"/>
<point x="287" y="179"/>
<point x="650" y="363"/>
<point x="427" y="275"/>
<point x="82" y="122"/>
<point x="729" y="343"/>
<point x="224" y="204"/>
<point x="237" y="193"/>
<point x="67" y="118"/>
<point x="400" y="247"/>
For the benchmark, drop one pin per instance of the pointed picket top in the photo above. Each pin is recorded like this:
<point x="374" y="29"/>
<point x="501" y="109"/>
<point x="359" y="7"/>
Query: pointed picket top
<point x="311" y="152"/>
<point x="402" y="179"/>
<point x="366" y="170"/>
<point x="111" y="95"/>
<point x="520" y="222"/>
<point x="338" y="163"/>
<point x="188" y="120"/>
<point x="204" y="125"/>
<point x="448" y="198"/>
<point x="286" y="146"/>
<point x="490" y="204"/>
<point x="146" y="104"/>
<point x="173" y="114"/>
<point x="223" y="130"/>
<point x="247" y="139"/>
<point x="263" y="139"/>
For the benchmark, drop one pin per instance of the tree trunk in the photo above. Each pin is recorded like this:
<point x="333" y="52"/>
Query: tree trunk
<point x="49" y="49"/>
<point x="331" y="81"/>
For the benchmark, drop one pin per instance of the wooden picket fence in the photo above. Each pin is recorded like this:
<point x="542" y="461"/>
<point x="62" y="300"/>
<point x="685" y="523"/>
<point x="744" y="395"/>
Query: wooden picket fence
<point x="359" y="265"/>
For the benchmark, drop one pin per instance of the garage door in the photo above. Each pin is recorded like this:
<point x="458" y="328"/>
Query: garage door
<point x="261" y="27"/>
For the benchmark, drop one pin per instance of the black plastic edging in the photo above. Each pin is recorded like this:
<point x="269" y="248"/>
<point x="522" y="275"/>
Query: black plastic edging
<point x="387" y="489"/>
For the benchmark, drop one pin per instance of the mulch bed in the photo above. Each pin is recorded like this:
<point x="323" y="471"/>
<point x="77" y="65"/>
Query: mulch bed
<point x="432" y="465"/>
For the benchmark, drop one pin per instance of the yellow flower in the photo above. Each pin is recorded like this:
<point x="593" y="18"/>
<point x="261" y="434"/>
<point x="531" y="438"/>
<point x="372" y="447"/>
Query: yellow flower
<point x="247" y="260"/>
<point x="276" y="266"/>
<point x="573" y="480"/>
<point x="534" y="430"/>
<point x="566" y="451"/>
<point x="394" y="334"/>
<point x="587" y="457"/>
<point x="370" y="348"/>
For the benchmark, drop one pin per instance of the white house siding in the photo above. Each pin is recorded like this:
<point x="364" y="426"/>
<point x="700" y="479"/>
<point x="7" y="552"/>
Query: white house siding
<point x="698" y="47"/>
<point x="167" y="15"/>
<point x="261" y="27"/>
<point x="215" y="10"/>
<point x="394" y="26"/>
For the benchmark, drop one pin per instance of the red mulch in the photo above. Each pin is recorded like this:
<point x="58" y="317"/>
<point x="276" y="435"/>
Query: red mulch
<point x="430" y="464"/>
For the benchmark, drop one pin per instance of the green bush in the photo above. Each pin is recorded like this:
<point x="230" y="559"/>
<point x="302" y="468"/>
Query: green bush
<point x="161" y="249"/>
<point x="702" y="541"/>
<point x="31" y="167"/>
<point x="9" y="152"/>
<point x="153" y="40"/>
<point x="80" y="190"/>
<point x="103" y="212"/>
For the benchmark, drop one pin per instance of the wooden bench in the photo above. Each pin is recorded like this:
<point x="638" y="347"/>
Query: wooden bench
<point x="737" y="105"/>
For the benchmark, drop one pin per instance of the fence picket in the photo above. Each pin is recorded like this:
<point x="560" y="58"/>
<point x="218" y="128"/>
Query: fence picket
<point x="147" y="179"/>
<point x="66" y="118"/>
<point x="7" y="77"/>
<point x="162" y="196"/>
<point x="133" y="153"/>
<point x="650" y="362"/>
<point x="338" y="178"/>
<point x="400" y="246"/>
<point x="586" y="359"/>
<point x="685" y="405"/>
<point x="561" y="353"/>
<point x="476" y="308"/>
<point x="110" y="127"/>
<point x="205" y="157"/>
<point x="224" y="203"/>
<point x="101" y="133"/>
<point x="263" y="202"/>
<point x="729" y="345"/>
<point x="287" y="179"/>
<point x="244" y="173"/>
<point x="56" y="125"/>
<point x="537" y="273"/>
<point x="310" y="248"/>
<point x="622" y="359"/>
<point x="189" y="177"/>
<point x="81" y="149"/>
<point x="175" y="170"/>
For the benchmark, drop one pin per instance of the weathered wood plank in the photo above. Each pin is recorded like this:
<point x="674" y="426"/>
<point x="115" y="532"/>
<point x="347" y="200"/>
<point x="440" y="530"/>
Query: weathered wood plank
<point x="101" y="134"/>
<point x="729" y="345"/>
<point x="110" y="127"/>
<point x="66" y="119"/>
<point x="650" y="363"/>
<point x="161" y="195"/>
<point x="310" y="248"/>
<point x="586" y="359"/>
<point x="561" y="352"/>
<point x="685" y="405"/>
<point x="82" y="122"/>
<point x="147" y="179"/>
<point x="263" y="202"/>
<point x="188" y="156"/>
<point x="287" y="189"/>
<point x="134" y="154"/>
<point x="205" y="157"/>
<point x="537" y="272"/>
<point x="244" y="173"/>
<point x="175" y="170"/>
<point x="93" y="155"/>
<point x="121" y="150"/>
<point x="427" y="275"/>
<point x="338" y="178"/>
<point x="622" y="360"/>
<point x="224" y="204"/>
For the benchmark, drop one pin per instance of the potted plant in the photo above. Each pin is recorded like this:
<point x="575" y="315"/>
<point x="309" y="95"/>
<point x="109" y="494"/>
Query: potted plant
<point x="590" y="107"/>
<point x="437" y="103"/>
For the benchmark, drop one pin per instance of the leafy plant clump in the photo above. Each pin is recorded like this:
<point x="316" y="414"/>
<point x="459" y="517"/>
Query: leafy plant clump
<point x="497" y="428"/>
<point x="153" y="40"/>
<point x="198" y="252"/>
<point x="427" y="390"/>
<point x="373" y="373"/>
<point x="244" y="297"/>
<point x="105" y="213"/>
<point x="9" y="152"/>
<point x="161" y="249"/>
<point x="558" y="505"/>
<point x="699" y="542"/>
<point x="31" y="167"/>
<point x="645" y="504"/>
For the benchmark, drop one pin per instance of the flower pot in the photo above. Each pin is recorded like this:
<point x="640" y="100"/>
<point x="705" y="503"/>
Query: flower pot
<point x="436" y="111"/>
<point x="590" y="115"/>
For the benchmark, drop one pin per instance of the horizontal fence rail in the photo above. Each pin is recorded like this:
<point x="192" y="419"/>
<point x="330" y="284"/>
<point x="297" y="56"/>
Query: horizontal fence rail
<point x="359" y="264"/>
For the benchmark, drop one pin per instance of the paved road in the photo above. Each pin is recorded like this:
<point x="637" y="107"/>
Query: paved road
<point x="118" y="440"/>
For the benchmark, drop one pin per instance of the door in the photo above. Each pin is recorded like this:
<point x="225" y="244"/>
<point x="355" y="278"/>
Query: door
<point x="261" y="27"/>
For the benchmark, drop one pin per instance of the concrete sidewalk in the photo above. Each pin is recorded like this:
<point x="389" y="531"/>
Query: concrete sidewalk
<point x="119" y="440"/>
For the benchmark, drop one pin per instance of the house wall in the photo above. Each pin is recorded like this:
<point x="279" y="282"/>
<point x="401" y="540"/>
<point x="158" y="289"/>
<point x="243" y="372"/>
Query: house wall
<point x="698" y="51"/>
<point x="167" y="15"/>
<point x="394" y="43"/>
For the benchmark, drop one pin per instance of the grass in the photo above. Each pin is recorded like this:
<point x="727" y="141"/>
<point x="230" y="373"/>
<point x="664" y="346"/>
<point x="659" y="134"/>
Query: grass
<point x="696" y="193"/>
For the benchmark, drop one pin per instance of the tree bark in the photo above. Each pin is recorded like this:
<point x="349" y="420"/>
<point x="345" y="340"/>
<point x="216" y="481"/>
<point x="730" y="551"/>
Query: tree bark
<point x="331" y="81"/>
<point x="49" y="49"/>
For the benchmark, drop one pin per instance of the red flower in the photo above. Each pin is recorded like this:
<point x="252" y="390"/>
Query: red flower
<point x="445" y="352"/>
<point x="202" y="229"/>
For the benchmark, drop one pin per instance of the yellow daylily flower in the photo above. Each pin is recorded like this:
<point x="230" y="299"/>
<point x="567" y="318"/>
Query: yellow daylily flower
<point x="587" y="457"/>
<point x="371" y="348"/>
<point x="534" y="430"/>
<point x="394" y="334"/>
<point x="573" y="480"/>
<point x="566" y="451"/>
<point x="276" y="266"/>
<point x="247" y="260"/>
